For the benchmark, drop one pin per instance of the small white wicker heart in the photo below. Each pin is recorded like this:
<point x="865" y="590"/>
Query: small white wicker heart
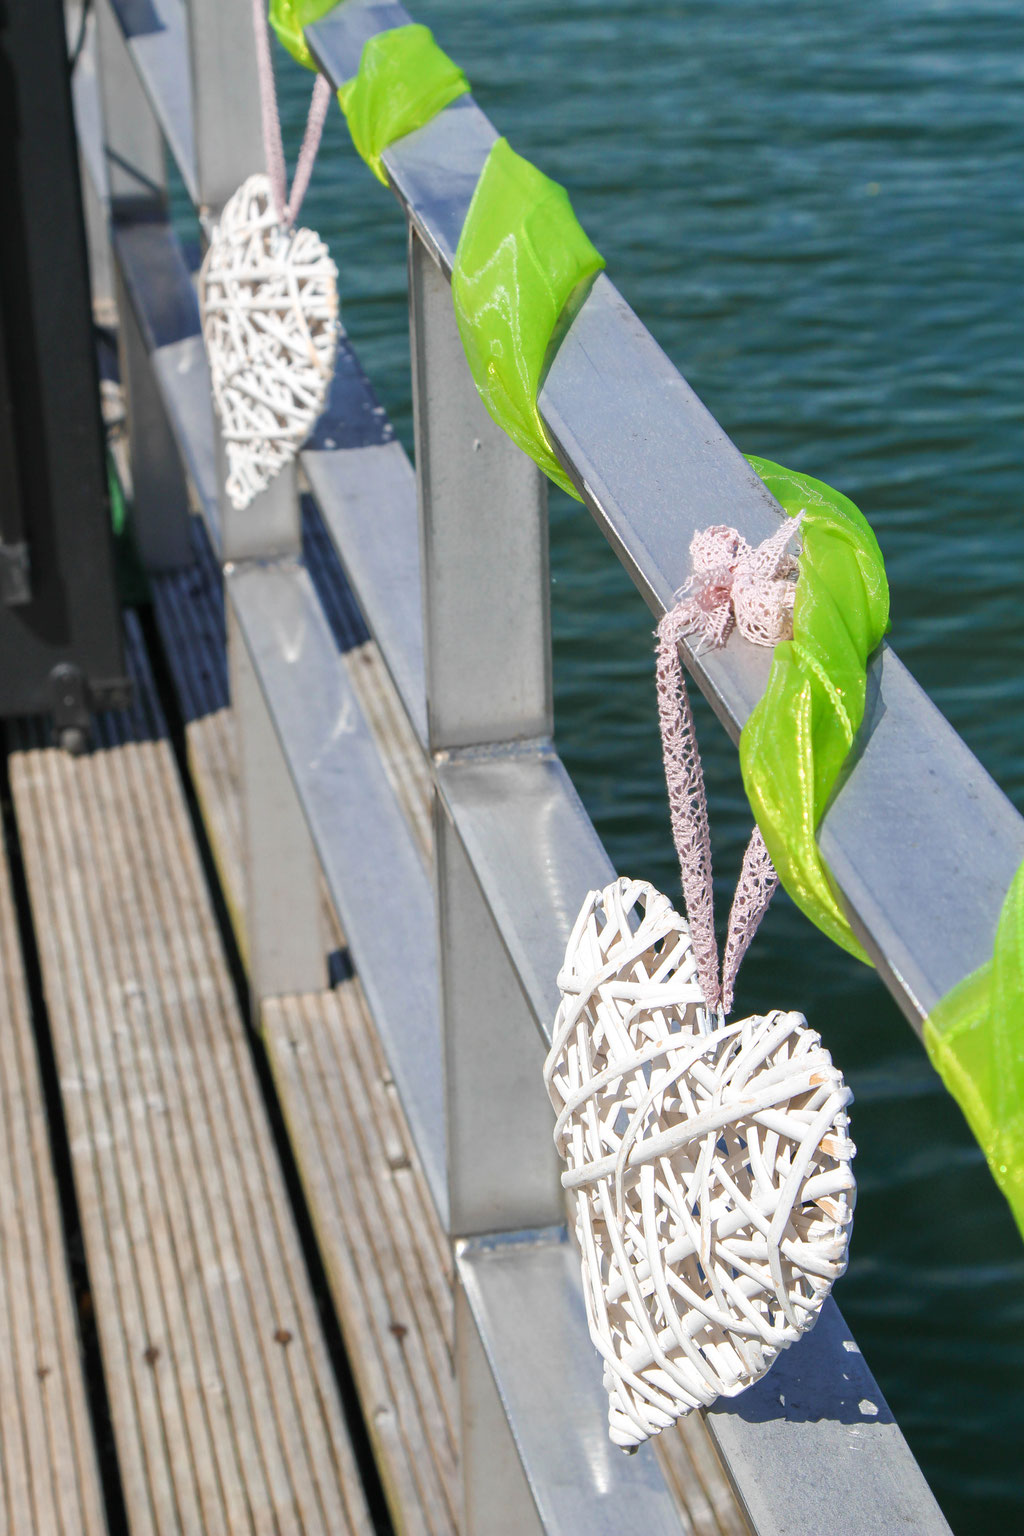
<point x="269" y="300"/>
<point x="708" y="1163"/>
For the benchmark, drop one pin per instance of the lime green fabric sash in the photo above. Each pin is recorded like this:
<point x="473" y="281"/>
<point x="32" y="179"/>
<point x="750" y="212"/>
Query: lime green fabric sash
<point x="521" y="257"/>
<point x="289" y="17"/>
<point x="404" y="80"/>
<point x="795" y="743"/>
<point x="975" y="1038"/>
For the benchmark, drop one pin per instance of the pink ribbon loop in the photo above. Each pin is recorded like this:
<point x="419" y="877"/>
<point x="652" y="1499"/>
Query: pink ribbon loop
<point x="286" y="208"/>
<point x="732" y="586"/>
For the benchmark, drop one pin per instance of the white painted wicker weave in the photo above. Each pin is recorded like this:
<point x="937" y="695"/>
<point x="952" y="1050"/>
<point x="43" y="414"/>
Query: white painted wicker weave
<point x="708" y="1165"/>
<point x="269" y="299"/>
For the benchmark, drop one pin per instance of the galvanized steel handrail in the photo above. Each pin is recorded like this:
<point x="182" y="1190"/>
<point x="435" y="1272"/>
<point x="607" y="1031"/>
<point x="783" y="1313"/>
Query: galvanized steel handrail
<point x="514" y="848"/>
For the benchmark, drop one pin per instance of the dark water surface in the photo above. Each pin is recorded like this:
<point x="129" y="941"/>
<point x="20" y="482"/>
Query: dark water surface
<point x="817" y="209"/>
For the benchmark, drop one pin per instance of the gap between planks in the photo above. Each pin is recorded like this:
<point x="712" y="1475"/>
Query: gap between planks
<point x="225" y="1409"/>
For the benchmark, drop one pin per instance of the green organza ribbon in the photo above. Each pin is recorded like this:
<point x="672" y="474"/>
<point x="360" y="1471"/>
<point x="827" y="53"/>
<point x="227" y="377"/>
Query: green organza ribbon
<point x="795" y="743"/>
<point x="289" y="17"/>
<point x="404" y="80"/>
<point x="521" y="257"/>
<point x="975" y="1038"/>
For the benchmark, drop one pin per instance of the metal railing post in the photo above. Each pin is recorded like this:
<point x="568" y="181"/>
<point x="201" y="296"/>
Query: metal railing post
<point x="284" y="940"/>
<point x="225" y="99"/>
<point x="284" y="931"/>
<point x="93" y="170"/>
<point x="229" y="148"/>
<point x="483" y="520"/>
<point x="137" y="189"/>
<point x="495" y="1491"/>
<point x="136" y="172"/>
<point x="483" y="533"/>
<point x="270" y="527"/>
<point x="161" y="516"/>
<point x="102" y="278"/>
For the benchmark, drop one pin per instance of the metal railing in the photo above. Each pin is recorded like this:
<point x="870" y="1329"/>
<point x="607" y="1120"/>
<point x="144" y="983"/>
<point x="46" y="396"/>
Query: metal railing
<point x="450" y="569"/>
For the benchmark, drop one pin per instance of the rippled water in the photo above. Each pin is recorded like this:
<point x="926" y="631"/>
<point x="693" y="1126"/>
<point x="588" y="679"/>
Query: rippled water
<point x="817" y="209"/>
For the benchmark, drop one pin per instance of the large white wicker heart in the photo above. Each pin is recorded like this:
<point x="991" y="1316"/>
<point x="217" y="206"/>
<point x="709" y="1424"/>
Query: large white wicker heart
<point x="269" y="300"/>
<point x="708" y="1164"/>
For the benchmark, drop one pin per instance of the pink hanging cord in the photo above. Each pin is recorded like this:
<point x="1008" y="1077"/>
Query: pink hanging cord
<point x="310" y="144"/>
<point x="286" y="208"/>
<point x="733" y="585"/>
<point x="687" y="802"/>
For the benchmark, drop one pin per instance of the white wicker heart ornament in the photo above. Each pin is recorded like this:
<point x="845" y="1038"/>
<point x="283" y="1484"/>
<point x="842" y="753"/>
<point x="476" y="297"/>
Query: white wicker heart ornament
<point x="269" y="300"/>
<point x="708" y="1162"/>
<point x="708" y="1165"/>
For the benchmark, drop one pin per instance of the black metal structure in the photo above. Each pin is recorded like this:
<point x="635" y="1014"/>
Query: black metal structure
<point x="60" y="631"/>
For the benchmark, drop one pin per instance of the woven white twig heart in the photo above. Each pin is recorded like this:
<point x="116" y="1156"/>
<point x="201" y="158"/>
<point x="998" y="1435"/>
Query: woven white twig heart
<point x="269" y="299"/>
<point x="708" y="1164"/>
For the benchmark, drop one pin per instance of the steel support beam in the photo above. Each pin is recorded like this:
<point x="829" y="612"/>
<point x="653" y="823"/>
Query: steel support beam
<point x="225" y="100"/>
<point x="133" y="146"/>
<point x="160" y="505"/>
<point x="92" y="164"/>
<point x="487" y="650"/>
<point x="484" y="542"/>
<point x="285" y="951"/>
<point x="136" y="188"/>
<point x="270" y="527"/>
<point x="285" y="941"/>
<point x="496" y="1493"/>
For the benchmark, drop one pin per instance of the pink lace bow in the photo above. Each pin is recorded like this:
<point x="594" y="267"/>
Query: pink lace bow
<point x="732" y="585"/>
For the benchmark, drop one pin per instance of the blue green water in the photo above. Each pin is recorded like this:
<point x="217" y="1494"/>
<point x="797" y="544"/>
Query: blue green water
<point x="817" y="209"/>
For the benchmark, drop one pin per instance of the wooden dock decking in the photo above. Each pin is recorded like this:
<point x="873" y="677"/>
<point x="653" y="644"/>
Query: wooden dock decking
<point x="225" y="1407"/>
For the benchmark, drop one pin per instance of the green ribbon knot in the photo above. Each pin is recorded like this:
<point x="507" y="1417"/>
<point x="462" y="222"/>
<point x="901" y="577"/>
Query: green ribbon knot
<point x="404" y="80"/>
<point x="793" y="747"/>
<point x="975" y="1039"/>
<point x="289" y="18"/>
<point x="522" y="256"/>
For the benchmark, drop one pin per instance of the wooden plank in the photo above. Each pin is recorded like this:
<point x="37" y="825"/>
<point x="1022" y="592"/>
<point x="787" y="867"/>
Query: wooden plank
<point x="49" y="1479"/>
<point x="226" y="1412"/>
<point x="387" y="1258"/>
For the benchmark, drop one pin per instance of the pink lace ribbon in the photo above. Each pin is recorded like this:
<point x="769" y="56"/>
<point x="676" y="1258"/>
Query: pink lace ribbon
<point x="736" y="585"/>
<point x="732" y="586"/>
